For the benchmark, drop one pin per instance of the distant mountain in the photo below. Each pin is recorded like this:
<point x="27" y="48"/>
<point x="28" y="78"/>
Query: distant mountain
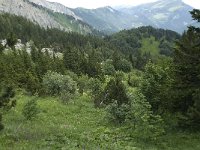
<point x="105" y="18"/>
<point x="46" y="14"/>
<point x="167" y="14"/>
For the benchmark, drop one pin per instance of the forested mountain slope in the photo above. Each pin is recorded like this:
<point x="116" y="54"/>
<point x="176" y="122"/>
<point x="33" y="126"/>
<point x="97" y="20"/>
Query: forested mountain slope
<point x="164" y="14"/>
<point x="136" y="89"/>
<point x="147" y="39"/>
<point x="45" y="17"/>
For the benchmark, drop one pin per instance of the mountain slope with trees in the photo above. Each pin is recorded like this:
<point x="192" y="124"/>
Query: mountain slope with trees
<point x="45" y="17"/>
<point x="97" y="95"/>
<point x="144" y="43"/>
<point x="172" y="15"/>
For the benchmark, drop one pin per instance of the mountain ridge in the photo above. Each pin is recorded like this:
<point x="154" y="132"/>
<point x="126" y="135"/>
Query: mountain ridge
<point x="44" y="16"/>
<point x="173" y="15"/>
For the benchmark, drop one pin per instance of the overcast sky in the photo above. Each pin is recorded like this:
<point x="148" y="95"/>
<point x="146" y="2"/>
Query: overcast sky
<point x="100" y="3"/>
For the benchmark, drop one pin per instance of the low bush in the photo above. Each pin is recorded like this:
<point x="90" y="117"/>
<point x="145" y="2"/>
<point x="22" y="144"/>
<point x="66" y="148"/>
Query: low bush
<point x="140" y="121"/>
<point x="31" y="109"/>
<point x="56" y="84"/>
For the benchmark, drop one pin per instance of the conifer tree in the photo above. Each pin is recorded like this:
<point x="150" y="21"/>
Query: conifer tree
<point x="187" y="70"/>
<point x="6" y="94"/>
<point x="116" y="91"/>
<point x="11" y="40"/>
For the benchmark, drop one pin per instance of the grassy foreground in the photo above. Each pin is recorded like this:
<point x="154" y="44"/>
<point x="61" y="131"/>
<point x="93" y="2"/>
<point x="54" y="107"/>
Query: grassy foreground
<point x="77" y="125"/>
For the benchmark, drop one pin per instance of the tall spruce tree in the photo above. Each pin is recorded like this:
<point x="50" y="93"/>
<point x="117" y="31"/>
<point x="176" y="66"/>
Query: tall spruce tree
<point x="187" y="72"/>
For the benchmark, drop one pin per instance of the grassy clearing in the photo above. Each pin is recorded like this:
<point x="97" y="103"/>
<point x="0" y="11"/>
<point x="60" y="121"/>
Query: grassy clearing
<point x="77" y="125"/>
<point x="150" y="45"/>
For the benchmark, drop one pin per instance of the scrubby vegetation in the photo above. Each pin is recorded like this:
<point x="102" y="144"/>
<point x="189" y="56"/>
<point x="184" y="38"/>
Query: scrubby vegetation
<point x="87" y="92"/>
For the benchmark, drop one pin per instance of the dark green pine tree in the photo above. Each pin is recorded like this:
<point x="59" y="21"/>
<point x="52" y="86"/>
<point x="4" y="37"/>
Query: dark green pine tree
<point x="93" y="68"/>
<point x="187" y="72"/>
<point x="34" y="53"/>
<point x="1" y="48"/>
<point x="72" y="59"/>
<point x="11" y="40"/>
<point x="115" y="91"/>
<point x="6" y="102"/>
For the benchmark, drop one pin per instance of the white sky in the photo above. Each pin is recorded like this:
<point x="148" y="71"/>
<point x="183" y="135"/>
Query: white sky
<point x="101" y="3"/>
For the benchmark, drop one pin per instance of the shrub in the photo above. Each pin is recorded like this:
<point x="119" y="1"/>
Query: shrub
<point x="134" y="80"/>
<point x="138" y="117"/>
<point x="115" y="90"/>
<point x="56" y="84"/>
<point x="96" y="88"/>
<point x="30" y="109"/>
<point x="143" y="123"/>
<point x="117" y="114"/>
<point x="83" y="83"/>
<point x="156" y="85"/>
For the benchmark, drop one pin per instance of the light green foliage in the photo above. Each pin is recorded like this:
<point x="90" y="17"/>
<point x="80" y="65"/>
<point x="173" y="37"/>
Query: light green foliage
<point x="117" y="114"/>
<point x="140" y="120"/>
<point x="134" y="78"/>
<point x="56" y="84"/>
<point x="78" y="126"/>
<point x="150" y="45"/>
<point x="156" y="84"/>
<point x="95" y="89"/>
<point x="143" y="123"/>
<point x="83" y="83"/>
<point x="71" y="23"/>
<point x="108" y="68"/>
<point x="95" y="85"/>
<point x="31" y="109"/>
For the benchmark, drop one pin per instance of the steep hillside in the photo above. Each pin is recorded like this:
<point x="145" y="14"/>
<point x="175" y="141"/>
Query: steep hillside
<point x="173" y="15"/>
<point x="110" y="20"/>
<point x="145" y="39"/>
<point x="43" y="16"/>
<point x="56" y="7"/>
<point x="25" y="30"/>
<point x="105" y="18"/>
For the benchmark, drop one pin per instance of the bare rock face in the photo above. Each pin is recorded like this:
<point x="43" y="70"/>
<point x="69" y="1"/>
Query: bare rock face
<point x="46" y="14"/>
<point x="19" y="46"/>
<point x="56" y="7"/>
<point x="25" y="9"/>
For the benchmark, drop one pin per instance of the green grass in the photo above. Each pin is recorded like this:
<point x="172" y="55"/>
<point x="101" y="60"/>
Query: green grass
<point x="77" y="125"/>
<point x="150" y="45"/>
<point x="71" y="23"/>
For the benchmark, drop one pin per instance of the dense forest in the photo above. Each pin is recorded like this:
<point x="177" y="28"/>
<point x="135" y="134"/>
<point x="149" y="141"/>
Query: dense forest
<point x="136" y="89"/>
